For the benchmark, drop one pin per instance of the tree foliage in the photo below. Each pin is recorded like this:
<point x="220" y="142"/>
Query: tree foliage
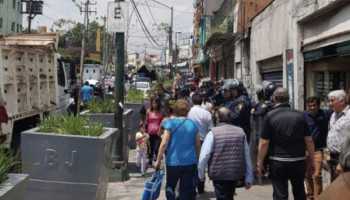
<point x="71" y="34"/>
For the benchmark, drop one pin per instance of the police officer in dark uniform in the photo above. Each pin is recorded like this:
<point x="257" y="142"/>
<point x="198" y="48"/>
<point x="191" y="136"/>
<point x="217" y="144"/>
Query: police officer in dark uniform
<point x="258" y="113"/>
<point x="264" y="105"/>
<point x="238" y="101"/>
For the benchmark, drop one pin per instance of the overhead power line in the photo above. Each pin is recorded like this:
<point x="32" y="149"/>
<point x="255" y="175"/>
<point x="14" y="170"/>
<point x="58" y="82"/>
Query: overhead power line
<point x="163" y="4"/>
<point x="144" y="27"/>
<point x="163" y="7"/>
<point x="150" y="12"/>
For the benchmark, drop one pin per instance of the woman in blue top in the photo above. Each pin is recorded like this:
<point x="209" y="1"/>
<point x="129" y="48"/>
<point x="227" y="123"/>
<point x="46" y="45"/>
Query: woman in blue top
<point x="181" y="145"/>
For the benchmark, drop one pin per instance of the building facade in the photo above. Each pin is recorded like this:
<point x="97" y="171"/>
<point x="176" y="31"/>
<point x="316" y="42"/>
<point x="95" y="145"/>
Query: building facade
<point x="302" y="45"/>
<point x="213" y="38"/>
<point x="10" y="17"/>
<point x="134" y="60"/>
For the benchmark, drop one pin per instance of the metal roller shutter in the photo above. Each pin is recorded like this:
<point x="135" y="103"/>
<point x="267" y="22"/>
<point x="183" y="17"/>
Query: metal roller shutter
<point x="272" y="70"/>
<point x="275" y="77"/>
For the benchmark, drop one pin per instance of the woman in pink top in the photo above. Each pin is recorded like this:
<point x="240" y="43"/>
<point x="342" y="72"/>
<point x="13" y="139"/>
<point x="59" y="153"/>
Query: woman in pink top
<point x="153" y="121"/>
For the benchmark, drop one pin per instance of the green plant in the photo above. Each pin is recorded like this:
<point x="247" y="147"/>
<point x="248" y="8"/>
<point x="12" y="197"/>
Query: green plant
<point x="99" y="106"/>
<point x="6" y="163"/>
<point x="135" y="96"/>
<point x="72" y="125"/>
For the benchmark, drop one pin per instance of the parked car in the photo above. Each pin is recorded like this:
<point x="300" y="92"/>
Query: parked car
<point x="144" y="87"/>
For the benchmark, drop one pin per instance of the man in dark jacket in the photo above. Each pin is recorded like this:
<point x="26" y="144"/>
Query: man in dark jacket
<point x="286" y="137"/>
<point x="226" y="150"/>
<point x="317" y="120"/>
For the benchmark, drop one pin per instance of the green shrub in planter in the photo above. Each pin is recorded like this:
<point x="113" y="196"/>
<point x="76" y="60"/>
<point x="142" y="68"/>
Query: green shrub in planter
<point x="135" y="96"/>
<point x="108" y="105"/>
<point x="12" y="186"/>
<point x="102" y="106"/>
<point x="6" y="163"/>
<point x="72" y="125"/>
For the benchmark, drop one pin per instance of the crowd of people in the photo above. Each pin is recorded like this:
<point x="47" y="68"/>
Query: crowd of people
<point x="219" y="128"/>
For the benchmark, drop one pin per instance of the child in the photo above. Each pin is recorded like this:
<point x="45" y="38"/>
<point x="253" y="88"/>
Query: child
<point x="141" y="149"/>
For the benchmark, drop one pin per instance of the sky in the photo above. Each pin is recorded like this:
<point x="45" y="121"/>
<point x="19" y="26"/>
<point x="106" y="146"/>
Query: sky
<point x="152" y="15"/>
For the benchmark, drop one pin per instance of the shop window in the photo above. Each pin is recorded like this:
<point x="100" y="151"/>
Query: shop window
<point x="13" y="27"/>
<point x="319" y="85"/>
<point x="19" y="6"/>
<point x="326" y="82"/>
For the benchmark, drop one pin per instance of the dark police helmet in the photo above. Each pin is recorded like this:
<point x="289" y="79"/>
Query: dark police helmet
<point x="268" y="89"/>
<point x="230" y="84"/>
<point x="260" y="92"/>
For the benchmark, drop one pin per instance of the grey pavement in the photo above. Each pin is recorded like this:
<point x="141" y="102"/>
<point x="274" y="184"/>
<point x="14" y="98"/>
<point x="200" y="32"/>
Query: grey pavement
<point x="132" y="189"/>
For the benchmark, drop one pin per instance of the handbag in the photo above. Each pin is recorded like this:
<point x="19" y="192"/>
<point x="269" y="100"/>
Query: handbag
<point x="153" y="186"/>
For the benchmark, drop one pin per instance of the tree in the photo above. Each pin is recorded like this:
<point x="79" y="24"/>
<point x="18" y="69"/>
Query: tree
<point x="71" y="34"/>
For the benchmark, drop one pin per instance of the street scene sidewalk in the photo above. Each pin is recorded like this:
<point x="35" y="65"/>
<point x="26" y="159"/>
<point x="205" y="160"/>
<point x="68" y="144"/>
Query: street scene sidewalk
<point x="133" y="188"/>
<point x="91" y="92"/>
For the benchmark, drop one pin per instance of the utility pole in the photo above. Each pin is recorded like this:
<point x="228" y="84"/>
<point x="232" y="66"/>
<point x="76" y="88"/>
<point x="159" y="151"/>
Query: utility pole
<point x="33" y="8"/>
<point x="176" y="48"/>
<point x="117" y="24"/>
<point x="86" y="10"/>
<point x="30" y="17"/>
<point x="105" y="46"/>
<point x="171" y="53"/>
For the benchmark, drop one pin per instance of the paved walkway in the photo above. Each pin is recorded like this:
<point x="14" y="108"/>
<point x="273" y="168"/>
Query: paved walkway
<point x="132" y="189"/>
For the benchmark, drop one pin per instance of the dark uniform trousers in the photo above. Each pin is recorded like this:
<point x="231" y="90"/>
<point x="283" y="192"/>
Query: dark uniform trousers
<point x="281" y="173"/>
<point x="224" y="190"/>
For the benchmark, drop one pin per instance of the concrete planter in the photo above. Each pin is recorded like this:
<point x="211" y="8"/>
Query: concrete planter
<point x="66" y="167"/>
<point x="120" y="153"/>
<point x="14" y="187"/>
<point x="106" y="119"/>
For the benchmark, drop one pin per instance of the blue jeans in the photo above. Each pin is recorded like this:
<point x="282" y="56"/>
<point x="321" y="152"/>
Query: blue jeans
<point x="187" y="175"/>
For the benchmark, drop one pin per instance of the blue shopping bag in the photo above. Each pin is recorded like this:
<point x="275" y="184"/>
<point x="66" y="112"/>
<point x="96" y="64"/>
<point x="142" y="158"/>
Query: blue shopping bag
<point x="153" y="186"/>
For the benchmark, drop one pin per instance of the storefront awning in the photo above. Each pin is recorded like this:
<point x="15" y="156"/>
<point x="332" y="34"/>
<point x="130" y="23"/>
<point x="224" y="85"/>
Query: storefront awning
<point x="341" y="49"/>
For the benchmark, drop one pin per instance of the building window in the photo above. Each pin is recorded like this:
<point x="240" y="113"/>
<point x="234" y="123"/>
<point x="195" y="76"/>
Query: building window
<point x="0" y="21"/>
<point x="14" y="2"/>
<point x="1" y="1"/>
<point x="13" y="27"/>
<point x="18" y="28"/>
<point x="19" y="6"/>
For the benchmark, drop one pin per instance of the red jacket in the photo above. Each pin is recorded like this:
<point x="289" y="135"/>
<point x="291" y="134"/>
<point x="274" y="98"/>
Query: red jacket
<point x="3" y="115"/>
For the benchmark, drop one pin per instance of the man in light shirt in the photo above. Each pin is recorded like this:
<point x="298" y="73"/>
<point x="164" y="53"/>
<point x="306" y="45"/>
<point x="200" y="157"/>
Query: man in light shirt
<point x="203" y="120"/>
<point x="227" y="149"/>
<point x="339" y="127"/>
